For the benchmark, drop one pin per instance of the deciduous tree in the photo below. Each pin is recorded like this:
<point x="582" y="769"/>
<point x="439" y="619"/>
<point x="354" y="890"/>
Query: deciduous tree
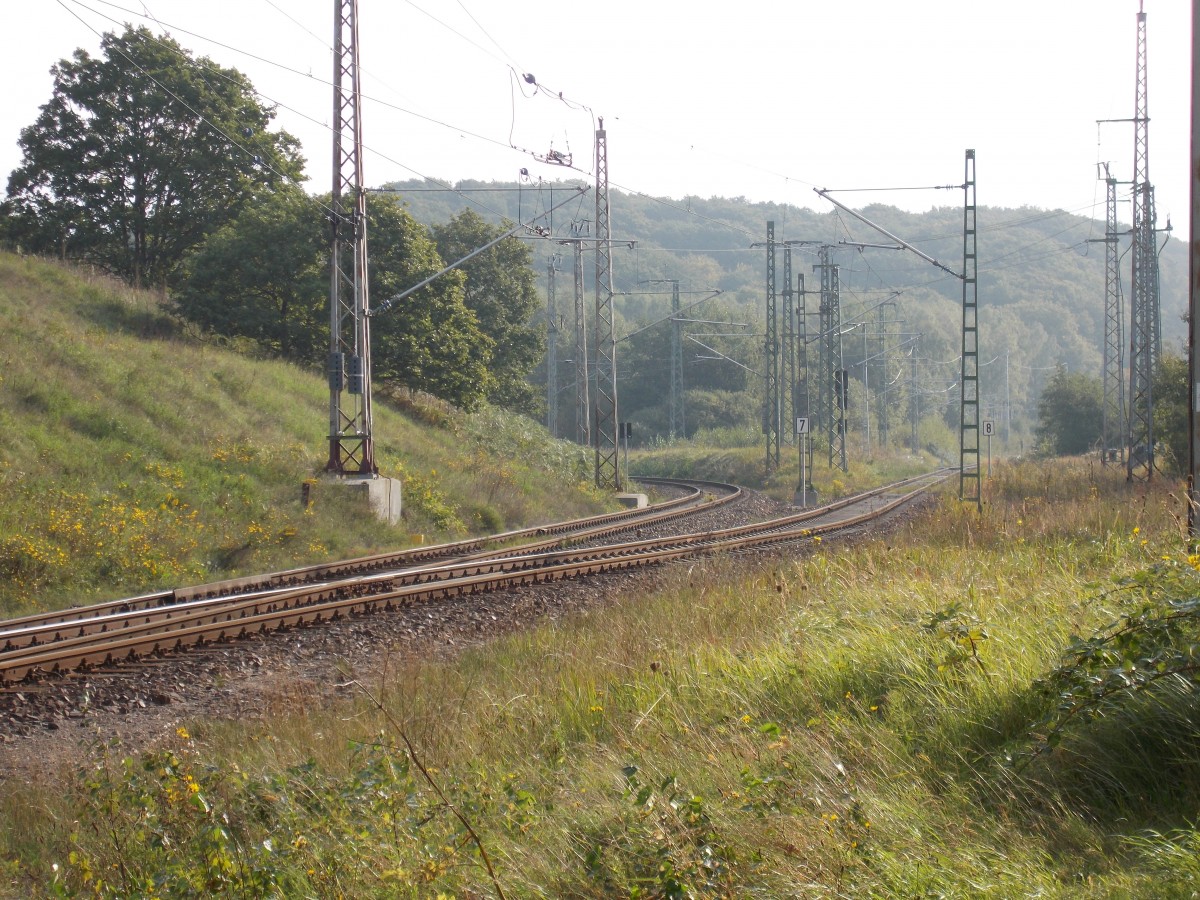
<point x="430" y="340"/>
<point x="500" y="288"/>
<point x="1069" y="413"/>
<point x="139" y="154"/>
<point x="264" y="276"/>
<point x="1171" y="412"/>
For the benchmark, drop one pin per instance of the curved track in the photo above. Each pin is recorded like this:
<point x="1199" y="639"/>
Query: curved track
<point x="695" y="497"/>
<point x="125" y="630"/>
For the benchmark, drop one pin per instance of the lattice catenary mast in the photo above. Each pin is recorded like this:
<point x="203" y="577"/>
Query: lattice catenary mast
<point x="969" y="477"/>
<point x="801" y="402"/>
<point x="779" y="350"/>
<point x="678" y="427"/>
<point x="1143" y="338"/>
<point x="1113" y="413"/>
<point x="881" y="354"/>
<point x="582" y="404"/>
<point x="787" y="356"/>
<point x="351" y="450"/>
<point x="551" y="350"/>
<point x="771" y="354"/>
<point x="831" y="382"/>
<point x="605" y="398"/>
<point x="582" y="407"/>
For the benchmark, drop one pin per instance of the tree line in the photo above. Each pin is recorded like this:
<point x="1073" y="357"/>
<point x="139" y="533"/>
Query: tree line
<point x="1071" y="414"/>
<point x="161" y="169"/>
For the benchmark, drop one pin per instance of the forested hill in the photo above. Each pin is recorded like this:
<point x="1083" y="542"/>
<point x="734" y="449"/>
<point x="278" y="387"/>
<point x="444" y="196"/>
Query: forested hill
<point x="1041" y="272"/>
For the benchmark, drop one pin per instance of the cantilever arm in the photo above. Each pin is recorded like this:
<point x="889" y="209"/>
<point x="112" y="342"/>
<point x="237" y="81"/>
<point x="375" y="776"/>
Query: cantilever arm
<point x="392" y="301"/>
<point x="824" y="192"/>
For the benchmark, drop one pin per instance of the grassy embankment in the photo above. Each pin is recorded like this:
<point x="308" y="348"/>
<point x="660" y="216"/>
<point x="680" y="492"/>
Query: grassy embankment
<point x="134" y="455"/>
<point x="833" y="722"/>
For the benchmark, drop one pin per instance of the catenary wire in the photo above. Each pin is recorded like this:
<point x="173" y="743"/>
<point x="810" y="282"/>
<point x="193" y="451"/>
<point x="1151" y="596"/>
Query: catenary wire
<point x="271" y="100"/>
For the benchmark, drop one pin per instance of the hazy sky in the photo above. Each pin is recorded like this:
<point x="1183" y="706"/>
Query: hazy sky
<point x="759" y="99"/>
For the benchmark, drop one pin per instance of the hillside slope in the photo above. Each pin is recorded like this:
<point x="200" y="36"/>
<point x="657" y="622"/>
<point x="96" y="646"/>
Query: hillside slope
<point x="1041" y="287"/>
<point x="134" y="455"/>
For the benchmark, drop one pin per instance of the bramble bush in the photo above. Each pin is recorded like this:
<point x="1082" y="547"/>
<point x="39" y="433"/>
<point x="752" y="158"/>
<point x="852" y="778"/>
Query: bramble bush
<point x="1151" y="651"/>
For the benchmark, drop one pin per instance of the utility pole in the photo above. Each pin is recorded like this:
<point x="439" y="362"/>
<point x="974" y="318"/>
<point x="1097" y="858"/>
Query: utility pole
<point x="914" y="402"/>
<point x="1157" y="281"/>
<point x="1007" y="402"/>
<point x="608" y="472"/>
<point x="677" y="424"/>
<point x="831" y="386"/>
<point x="833" y="381"/>
<point x="551" y="350"/>
<point x="583" y="432"/>
<point x="787" y="360"/>
<point x="780" y="354"/>
<point x="881" y="408"/>
<point x="351" y="449"/>
<point x="675" y="413"/>
<point x="1112" y="427"/>
<point x="866" y="394"/>
<point x="969" y="480"/>
<point x="582" y="406"/>
<point x="969" y="477"/>
<point x="771" y="362"/>
<point x="1144" y="329"/>
<point x="1193" y="518"/>
<point x="801" y="402"/>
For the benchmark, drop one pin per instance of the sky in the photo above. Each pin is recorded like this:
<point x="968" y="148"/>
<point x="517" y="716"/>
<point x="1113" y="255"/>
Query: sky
<point x="758" y="99"/>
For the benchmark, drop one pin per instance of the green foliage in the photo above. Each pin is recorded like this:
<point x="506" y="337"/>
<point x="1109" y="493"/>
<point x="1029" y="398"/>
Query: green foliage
<point x="1152" y="651"/>
<point x="431" y="341"/>
<point x="1171" y="413"/>
<point x="139" y="154"/>
<point x="264" y="276"/>
<point x="159" y="828"/>
<point x="166" y="824"/>
<point x="710" y="413"/>
<point x="666" y="845"/>
<point x="1173" y="860"/>
<point x="134" y="457"/>
<point x="1043" y="289"/>
<point x="963" y="633"/>
<point x="827" y="721"/>
<point x="1069" y="414"/>
<point x="499" y="289"/>
<point x="717" y="392"/>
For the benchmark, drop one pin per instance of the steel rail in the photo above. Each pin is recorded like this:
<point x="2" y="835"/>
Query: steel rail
<point x="31" y="631"/>
<point x="590" y="526"/>
<point x="93" y="628"/>
<point x="223" y="608"/>
<point x="418" y="555"/>
<point x="222" y="619"/>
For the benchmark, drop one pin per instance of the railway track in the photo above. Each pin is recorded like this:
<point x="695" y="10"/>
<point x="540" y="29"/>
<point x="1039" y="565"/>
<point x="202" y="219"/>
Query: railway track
<point x="695" y="497"/>
<point x="110" y="634"/>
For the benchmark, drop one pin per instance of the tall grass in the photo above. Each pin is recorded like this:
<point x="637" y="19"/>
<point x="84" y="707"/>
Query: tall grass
<point x="833" y="721"/>
<point x="136" y="455"/>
